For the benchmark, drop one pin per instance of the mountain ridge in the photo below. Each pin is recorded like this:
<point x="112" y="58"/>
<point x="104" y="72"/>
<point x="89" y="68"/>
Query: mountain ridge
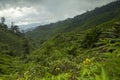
<point x="98" y="16"/>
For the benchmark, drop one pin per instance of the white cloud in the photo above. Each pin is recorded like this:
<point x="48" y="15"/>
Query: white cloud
<point x="11" y="12"/>
<point x="24" y="12"/>
<point x="18" y="15"/>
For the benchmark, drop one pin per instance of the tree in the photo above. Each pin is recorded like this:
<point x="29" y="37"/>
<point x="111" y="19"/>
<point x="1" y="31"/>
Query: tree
<point x="116" y="30"/>
<point x="3" y="26"/>
<point x="15" y="28"/>
<point x="26" y="46"/>
<point x="2" y="20"/>
<point x="91" y="37"/>
<point x="12" y="26"/>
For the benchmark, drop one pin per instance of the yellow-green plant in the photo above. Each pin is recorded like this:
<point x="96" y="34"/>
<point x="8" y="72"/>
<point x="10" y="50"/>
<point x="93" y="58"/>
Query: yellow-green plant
<point x="92" y="71"/>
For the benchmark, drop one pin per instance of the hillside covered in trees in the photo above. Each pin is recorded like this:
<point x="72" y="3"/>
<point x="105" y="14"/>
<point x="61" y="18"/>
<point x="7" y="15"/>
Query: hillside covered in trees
<point x="12" y="45"/>
<point x="103" y="17"/>
<point x="86" y="47"/>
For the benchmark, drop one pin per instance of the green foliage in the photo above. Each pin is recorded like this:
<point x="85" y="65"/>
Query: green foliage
<point x="93" y="71"/>
<point x="12" y="46"/>
<point x="116" y="30"/>
<point x="3" y="26"/>
<point x="103" y="17"/>
<point x="91" y="37"/>
<point x="67" y="56"/>
<point x="13" y="43"/>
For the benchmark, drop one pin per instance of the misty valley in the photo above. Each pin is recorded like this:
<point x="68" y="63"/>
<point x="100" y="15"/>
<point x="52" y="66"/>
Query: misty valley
<point x="84" y="47"/>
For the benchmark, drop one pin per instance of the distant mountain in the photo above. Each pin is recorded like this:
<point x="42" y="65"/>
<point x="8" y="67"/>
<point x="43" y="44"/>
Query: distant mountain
<point x="103" y="17"/>
<point x="69" y="53"/>
<point x="28" y="27"/>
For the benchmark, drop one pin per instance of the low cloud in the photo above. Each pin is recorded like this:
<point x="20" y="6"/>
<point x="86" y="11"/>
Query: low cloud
<point x="45" y="11"/>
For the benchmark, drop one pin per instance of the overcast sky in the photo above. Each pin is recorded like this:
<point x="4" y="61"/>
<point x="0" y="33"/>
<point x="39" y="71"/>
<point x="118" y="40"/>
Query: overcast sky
<point x="24" y="12"/>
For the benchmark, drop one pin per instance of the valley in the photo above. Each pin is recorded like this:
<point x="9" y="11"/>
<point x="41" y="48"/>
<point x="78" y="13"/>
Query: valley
<point x="86" y="47"/>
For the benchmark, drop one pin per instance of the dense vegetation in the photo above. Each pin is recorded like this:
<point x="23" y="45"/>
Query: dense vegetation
<point x="104" y="17"/>
<point x="12" y="45"/>
<point x="86" y="47"/>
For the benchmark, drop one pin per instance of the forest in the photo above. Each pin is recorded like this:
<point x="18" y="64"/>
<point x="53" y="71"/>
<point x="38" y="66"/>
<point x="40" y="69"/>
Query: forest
<point x="86" y="47"/>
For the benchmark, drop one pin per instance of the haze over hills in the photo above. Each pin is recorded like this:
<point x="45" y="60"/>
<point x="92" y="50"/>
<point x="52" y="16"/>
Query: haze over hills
<point x="86" y="47"/>
<point x="28" y="27"/>
<point x="45" y="11"/>
<point x="103" y="16"/>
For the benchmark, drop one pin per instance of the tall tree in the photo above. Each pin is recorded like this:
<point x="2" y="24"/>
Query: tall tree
<point x="15" y="28"/>
<point x="2" y="20"/>
<point x="116" y="30"/>
<point x="91" y="37"/>
<point x="3" y="26"/>
<point x="12" y="26"/>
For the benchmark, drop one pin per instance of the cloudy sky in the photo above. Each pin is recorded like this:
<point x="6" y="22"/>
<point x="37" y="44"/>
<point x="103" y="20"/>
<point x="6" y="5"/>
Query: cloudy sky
<point x="24" y="12"/>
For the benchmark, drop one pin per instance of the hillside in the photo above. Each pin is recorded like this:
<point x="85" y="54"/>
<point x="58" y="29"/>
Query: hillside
<point x="103" y="16"/>
<point x="94" y="55"/>
<point x="13" y="45"/>
<point x="12" y="42"/>
<point x="86" y="47"/>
